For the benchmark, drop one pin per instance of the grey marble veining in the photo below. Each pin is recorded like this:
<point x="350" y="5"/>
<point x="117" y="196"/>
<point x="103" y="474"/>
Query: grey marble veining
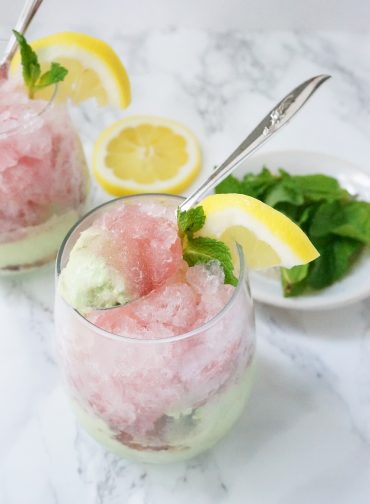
<point x="305" y="436"/>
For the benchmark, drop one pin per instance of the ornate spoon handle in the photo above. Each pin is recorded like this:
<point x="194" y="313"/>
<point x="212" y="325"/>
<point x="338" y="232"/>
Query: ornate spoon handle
<point x="274" y="120"/>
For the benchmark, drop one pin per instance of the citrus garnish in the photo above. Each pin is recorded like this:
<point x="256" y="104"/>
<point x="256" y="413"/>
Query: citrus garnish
<point x="267" y="236"/>
<point x="142" y="154"/>
<point x="94" y="69"/>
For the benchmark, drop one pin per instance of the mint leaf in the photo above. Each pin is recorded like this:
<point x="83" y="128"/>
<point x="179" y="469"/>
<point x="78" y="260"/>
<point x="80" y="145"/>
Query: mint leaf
<point x="350" y="219"/>
<point x="294" y="280"/>
<point x="31" y="69"/>
<point x="284" y="188"/>
<point x="230" y="185"/>
<point x="56" y="74"/>
<point x="356" y="221"/>
<point x="251" y="185"/>
<point x="284" y="192"/>
<point x="30" y="66"/>
<point x="302" y="189"/>
<point x="202" y="250"/>
<point x="305" y="215"/>
<point x="319" y="187"/>
<point x="337" y="255"/>
<point x="257" y="185"/>
<point x="190" y="221"/>
<point x="328" y="217"/>
<point x="301" y="215"/>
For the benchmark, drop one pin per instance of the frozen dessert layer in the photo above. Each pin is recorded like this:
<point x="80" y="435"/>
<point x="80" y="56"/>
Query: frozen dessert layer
<point x="36" y="244"/>
<point x="124" y="255"/>
<point x="88" y="281"/>
<point x="189" y="432"/>
<point x="188" y="299"/>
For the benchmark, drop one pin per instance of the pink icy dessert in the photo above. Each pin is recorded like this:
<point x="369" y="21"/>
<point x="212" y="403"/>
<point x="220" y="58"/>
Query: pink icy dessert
<point x="43" y="178"/>
<point x="166" y="375"/>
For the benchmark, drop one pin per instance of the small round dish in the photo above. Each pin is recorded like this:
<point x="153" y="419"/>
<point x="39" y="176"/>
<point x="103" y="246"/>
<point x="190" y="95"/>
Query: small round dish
<point x="355" y="286"/>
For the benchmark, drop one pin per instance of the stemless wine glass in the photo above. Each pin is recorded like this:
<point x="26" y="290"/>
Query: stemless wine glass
<point x="156" y="400"/>
<point x="43" y="177"/>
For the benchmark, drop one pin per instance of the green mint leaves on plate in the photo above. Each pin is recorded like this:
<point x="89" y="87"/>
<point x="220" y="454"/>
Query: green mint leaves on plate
<point x="201" y="249"/>
<point x="31" y="69"/>
<point x="334" y="220"/>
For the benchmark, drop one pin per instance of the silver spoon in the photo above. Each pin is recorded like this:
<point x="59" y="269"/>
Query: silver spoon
<point x="269" y="125"/>
<point x="29" y="10"/>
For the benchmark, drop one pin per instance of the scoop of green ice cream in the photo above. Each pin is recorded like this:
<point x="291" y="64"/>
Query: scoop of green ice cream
<point x="87" y="281"/>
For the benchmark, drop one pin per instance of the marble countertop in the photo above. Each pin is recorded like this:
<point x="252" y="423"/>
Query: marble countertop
<point x="305" y="435"/>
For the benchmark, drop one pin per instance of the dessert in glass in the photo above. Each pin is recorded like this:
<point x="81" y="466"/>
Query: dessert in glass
<point x="165" y="376"/>
<point x="43" y="177"/>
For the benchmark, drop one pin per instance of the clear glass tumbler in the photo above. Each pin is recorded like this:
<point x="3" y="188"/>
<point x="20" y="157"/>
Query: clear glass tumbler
<point x="156" y="400"/>
<point x="43" y="178"/>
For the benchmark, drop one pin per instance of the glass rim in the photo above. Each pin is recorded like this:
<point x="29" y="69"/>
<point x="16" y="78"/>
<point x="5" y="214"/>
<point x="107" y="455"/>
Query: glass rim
<point x="197" y="330"/>
<point x="30" y="120"/>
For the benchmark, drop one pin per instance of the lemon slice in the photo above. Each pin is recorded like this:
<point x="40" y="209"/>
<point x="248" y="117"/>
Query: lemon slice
<point x="142" y="154"/>
<point x="268" y="237"/>
<point x="94" y="69"/>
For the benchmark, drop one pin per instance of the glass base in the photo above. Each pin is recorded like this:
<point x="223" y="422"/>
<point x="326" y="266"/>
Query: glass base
<point x="210" y="424"/>
<point x="37" y="246"/>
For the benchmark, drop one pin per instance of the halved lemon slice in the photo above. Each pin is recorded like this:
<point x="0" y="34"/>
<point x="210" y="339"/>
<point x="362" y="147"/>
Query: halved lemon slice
<point x="94" y="69"/>
<point x="142" y="154"/>
<point x="267" y="236"/>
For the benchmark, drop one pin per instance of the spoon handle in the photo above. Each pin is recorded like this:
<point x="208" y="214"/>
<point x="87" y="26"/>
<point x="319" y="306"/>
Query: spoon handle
<point x="274" y="120"/>
<point x="29" y="10"/>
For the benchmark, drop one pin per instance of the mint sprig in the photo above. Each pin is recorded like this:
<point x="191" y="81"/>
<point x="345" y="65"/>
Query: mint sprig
<point x="31" y="69"/>
<point x="191" y="220"/>
<point x="204" y="250"/>
<point x="201" y="249"/>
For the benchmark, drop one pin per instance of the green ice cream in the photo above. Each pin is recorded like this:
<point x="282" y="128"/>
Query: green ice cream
<point x="38" y="245"/>
<point x="87" y="281"/>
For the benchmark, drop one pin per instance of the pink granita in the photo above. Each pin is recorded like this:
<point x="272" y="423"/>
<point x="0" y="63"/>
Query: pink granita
<point x="43" y="179"/>
<point x="122" y="256"/>
<point x="165" y="376"/>
<point x="142" y="245"/>
<point x="183" y="302"/>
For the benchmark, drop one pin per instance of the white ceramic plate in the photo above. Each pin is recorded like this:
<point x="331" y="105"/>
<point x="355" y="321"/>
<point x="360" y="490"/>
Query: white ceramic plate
<point x="356" y="284"/>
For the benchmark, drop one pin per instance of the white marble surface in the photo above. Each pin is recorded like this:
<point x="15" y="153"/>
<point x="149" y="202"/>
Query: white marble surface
<point x="202" y="14"/>
<point x="305" y="436"/>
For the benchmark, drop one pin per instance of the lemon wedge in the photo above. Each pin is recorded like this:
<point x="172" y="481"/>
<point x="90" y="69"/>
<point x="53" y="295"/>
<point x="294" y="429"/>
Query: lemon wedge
<point x="268" y="237"/>
<point x="143" y="154"/>
<point x="94" y="69"/>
